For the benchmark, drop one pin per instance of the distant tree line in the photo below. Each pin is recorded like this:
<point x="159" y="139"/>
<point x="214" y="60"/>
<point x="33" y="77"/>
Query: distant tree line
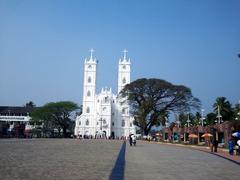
<point x="227" y="111"/>
<point x="55" y="119"/>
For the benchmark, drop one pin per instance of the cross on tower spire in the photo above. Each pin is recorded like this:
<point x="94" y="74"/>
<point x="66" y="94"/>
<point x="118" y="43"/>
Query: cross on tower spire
<point x="124" y="54"/>
<point x="91" y="51"/>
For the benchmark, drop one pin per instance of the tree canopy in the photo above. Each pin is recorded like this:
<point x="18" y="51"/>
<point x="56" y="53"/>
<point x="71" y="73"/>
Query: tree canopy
<point x="55" y="115"/>
<point x="225" y="108"/>
<point x="151" y="100"/>
<point x="30" y="104"/>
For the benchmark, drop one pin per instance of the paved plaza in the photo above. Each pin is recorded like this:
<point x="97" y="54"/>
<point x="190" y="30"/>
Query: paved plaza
<point x="108" y="159"/>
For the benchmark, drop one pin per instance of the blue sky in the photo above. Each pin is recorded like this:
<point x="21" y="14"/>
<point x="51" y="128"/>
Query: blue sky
<point x="43" y="45"/>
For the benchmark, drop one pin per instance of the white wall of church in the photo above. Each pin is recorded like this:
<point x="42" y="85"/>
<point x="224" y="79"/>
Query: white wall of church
<point x="104" y="113"/>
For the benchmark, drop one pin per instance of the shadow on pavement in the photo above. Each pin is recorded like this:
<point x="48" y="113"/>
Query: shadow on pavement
<point x="118" y="170"/>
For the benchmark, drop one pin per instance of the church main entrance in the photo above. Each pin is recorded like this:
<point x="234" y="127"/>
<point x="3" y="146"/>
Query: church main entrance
<point x="113" y="135"/>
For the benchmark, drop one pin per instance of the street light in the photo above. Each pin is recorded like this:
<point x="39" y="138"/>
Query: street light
<point x="188" y="121"/>
<point x="166" y="123"/>
<point x="238" y="114"/>
<point x="202" y="117"/>
<point x="177" y="120"/>
<point x="219" y="117"/>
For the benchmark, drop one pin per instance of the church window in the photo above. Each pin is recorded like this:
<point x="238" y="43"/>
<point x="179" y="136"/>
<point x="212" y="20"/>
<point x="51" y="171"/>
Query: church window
<point x="124" y="111"/>
<point x="87" y="122"/>
<point x="130" y="124"/>
<point x="88" y="93"/>
<point x="124" y="80"/>
<point x="89" y="67"/>
<point x="89" y="79"/>
<point x="124" y="67"/>
<point x="79" y="123"/>
<point x="104" y="108"/>
<point x="123" y="123"/>
<point x="104" y="121"/>
<point x="106" y="99"/>
<point x="88" y="110"/>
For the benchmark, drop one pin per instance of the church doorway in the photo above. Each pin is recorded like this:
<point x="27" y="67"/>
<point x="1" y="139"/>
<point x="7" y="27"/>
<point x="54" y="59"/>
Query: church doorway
<point x="113" y="135"/>
<point x="104" y="134"/>
<point x="86" y="135"/>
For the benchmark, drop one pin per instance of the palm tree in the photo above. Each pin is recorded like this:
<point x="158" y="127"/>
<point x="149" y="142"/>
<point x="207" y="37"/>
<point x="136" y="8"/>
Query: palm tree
<point x="225" y="108"/>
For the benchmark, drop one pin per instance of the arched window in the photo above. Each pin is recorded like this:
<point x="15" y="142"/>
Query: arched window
<point x="104" y="121"/>
<point x="89" y="79"/>
<point x="124" y="80"/>
<point x="106" y="99"/>
<point x="79" y="123"/>
<point x="124" y="66"/>
<point x="87" y="122"/>
<point x="124" y="110"/>
<point x="130" y="124"/>
<point x="88" y="93"/>
<point x="123" y="123"/>
<point x="89" y="67"/>
<point x="88" y="110"/>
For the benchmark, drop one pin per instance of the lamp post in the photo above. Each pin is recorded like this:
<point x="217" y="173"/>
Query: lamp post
<point x="177" y="121"/>
<point x="188" y="121"/>
<point x="166" y="123"/>
<point x="202" y="117"/>
<point x="238" y="114"/>
<point x="219" y="117"/>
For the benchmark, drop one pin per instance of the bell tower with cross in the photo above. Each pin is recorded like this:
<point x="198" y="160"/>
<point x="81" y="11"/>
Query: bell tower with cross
<point x="124" y="70"/>
<point x="89" y="90"/>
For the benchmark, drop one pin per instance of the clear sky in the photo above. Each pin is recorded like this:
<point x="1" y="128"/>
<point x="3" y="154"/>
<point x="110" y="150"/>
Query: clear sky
<point x="43" y="45"/>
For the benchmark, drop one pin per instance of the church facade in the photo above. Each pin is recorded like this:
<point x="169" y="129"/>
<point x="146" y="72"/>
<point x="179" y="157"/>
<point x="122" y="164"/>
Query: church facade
<point x="104" y="114"/>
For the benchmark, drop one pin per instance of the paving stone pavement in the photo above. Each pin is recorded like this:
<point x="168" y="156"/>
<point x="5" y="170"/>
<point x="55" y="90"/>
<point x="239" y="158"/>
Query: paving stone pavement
<point x="48" y="159"/>
<point x="159" y="161"/>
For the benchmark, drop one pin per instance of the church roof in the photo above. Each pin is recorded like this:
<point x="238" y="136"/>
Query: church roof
<point x="15" y="110"/>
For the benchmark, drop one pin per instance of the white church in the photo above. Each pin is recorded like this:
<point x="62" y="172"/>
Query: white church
<point x="104" y="114"/>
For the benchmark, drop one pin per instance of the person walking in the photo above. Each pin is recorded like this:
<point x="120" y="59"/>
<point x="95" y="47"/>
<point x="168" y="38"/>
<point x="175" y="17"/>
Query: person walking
<point x="215" y="144"/>
<point x="130" y="139"/>
<point x="231" y="146"/>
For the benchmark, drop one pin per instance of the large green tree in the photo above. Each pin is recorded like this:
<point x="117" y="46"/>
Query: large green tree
<point x="55" y="115"/>
<point x="152" y="99"/>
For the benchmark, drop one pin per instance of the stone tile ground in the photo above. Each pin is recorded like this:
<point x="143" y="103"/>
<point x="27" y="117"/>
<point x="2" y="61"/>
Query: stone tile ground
<point x="74" y="159"/>
<point x="57" y="159"/>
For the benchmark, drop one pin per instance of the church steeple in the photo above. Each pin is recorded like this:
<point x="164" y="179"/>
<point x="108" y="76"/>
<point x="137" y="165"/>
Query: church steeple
<point x="125" y="54"/>
<point x="124" y="70"/>
<point x="89" y="87"/>
<point x="91" y="51"/>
